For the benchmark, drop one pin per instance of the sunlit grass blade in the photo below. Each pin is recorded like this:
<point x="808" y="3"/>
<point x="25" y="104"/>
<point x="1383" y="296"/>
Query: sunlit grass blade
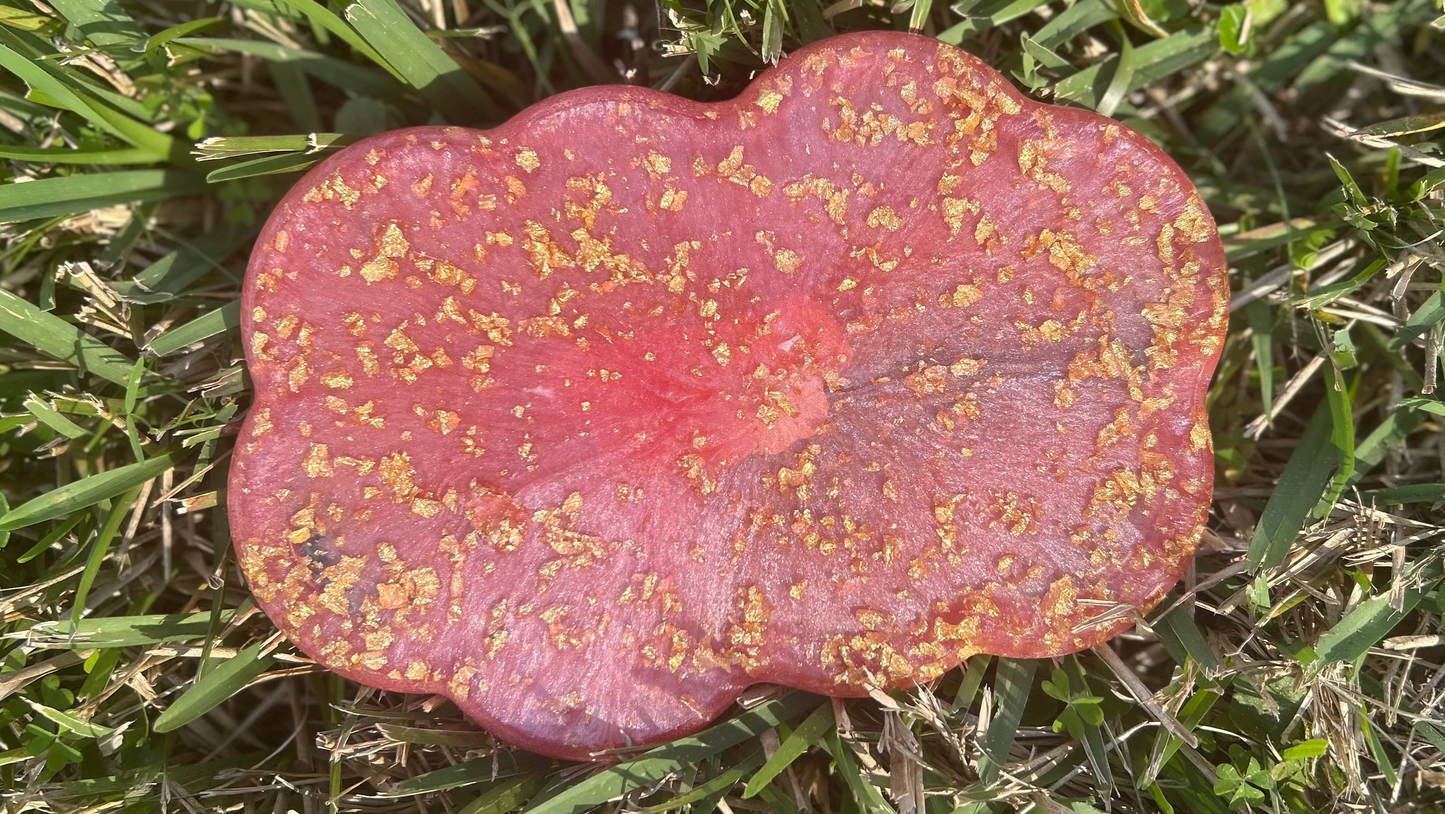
<point x="23" y="20"/>
<point x="1011" y="686"/>
<point x="1429" y="314"/>
<point x="161" y="39"/>
<point x="327" y="19"/>
<point x="1405" y="125"/>
<point x="864" y="794"/>
<point x="65" y="155"/>
<point x="86" y="492"/>
<point x="225" y="318"/>
<point x="73" y="194"/>
<point x="41" y="76"/>
<point x="215" y="688"/>
<point x="808" y="733"/>
<point x="119" y="631"/>
<point x="507" y="795"/>
<point x="1363" y="627"/>
<point x="1073" y="21"/>
<point x="68" y="722"/>
<point x="1152" y="62"/>
<point x="220" y="147"/>
<point x="1298" y="492"/>
<point x="103" y="22"/>
<point x="666" y="759"/>
<point x="712" y="788"/>
<point x="471" y="772"/>
<point x="99" y="547"/>
<point x="982" y="16"/>
<point x="270" y="165"/>
<point x="341" y="74"/>
<point x="58" y="339"/>
<point x="420" y="62"/>
<point x="53" y="419"/>
<point x="973" y="672"/>
<point x="1123" y="75"/>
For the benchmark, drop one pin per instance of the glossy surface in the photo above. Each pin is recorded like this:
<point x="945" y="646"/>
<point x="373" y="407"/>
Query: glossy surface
<point x="590" y="421"/>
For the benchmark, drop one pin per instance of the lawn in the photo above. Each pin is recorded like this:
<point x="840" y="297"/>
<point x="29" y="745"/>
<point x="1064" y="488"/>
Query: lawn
<point x="1298" y="667"/>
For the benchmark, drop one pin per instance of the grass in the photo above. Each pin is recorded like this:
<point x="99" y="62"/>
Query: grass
<point x="1298" y="667"/>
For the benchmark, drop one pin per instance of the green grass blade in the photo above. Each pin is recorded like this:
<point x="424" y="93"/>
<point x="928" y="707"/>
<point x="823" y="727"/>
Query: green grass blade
<point x="326" y="19"/>
<point x="1377" y="750"/>
<point x="73" y="194"/>
<point x="423" y="65"/>
<point x="225" y="318"/>
<point x="919" y="18"/>
<point x="1260" y="315"/>
<point x="776" y="801"/>
<point x="1152" y="62"/>
<point x="99" y="548"/>
<point x="237" y="146"/>
<point x="1012" y="683"/>
<point x="175" y="32"/>
<point x="1363" y="627"/>
<point x="53" y="419"/>
<point x="1298" y="492"/>
<point x="25" y="21"/>
<point x="295" y="89"/>
<point x="715" y="787"/>
<point x="809" y="732"/>
<point x="1182" y="637"/>
<point x="1073" y="21"/>
<point x="120" y="631"/>
<point x="215" y="688"/>
<point x="1256" y="241"/>
<point x="811" y="25"/>
<point x="86" y="492"/>
<point x="459" y="738"/>
<point x="1338" y="397"/>
<point x="269" y="165"/>
<point x="103" y="22"/>
<point x="1405" y="125"/>
<point x="65" y="155"/>
<point x="335" y="72"/>
<point x="866" y="795"/>
<point x="1384" y="439"/>
<point x="68" y="722"/>
<point x="471" y="772"/>
<point x="973" y="672"/>
<point x="173" y="274"/>
<point x="1429" y="314"/>
<point x="1402" y="495"/>
<point x="1357" y="43"/>
<point x="58" y="339"/>
<point x="508" y="795"/>
<point x="987" y="15"/>
<point x="1123" y="75"/>
<point x="40" y="75"/>
<point x="664" y="760"/>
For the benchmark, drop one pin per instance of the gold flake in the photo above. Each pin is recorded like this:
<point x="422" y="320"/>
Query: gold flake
<point x="317" y="463"/>
<point x="884" y="217"/>
<point x="787" y="261"/>
<point x="769" y="100"/>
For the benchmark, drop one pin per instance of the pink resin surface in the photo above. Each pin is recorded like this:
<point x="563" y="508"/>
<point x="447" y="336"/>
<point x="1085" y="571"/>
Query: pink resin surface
<point x="590" y="421"/>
